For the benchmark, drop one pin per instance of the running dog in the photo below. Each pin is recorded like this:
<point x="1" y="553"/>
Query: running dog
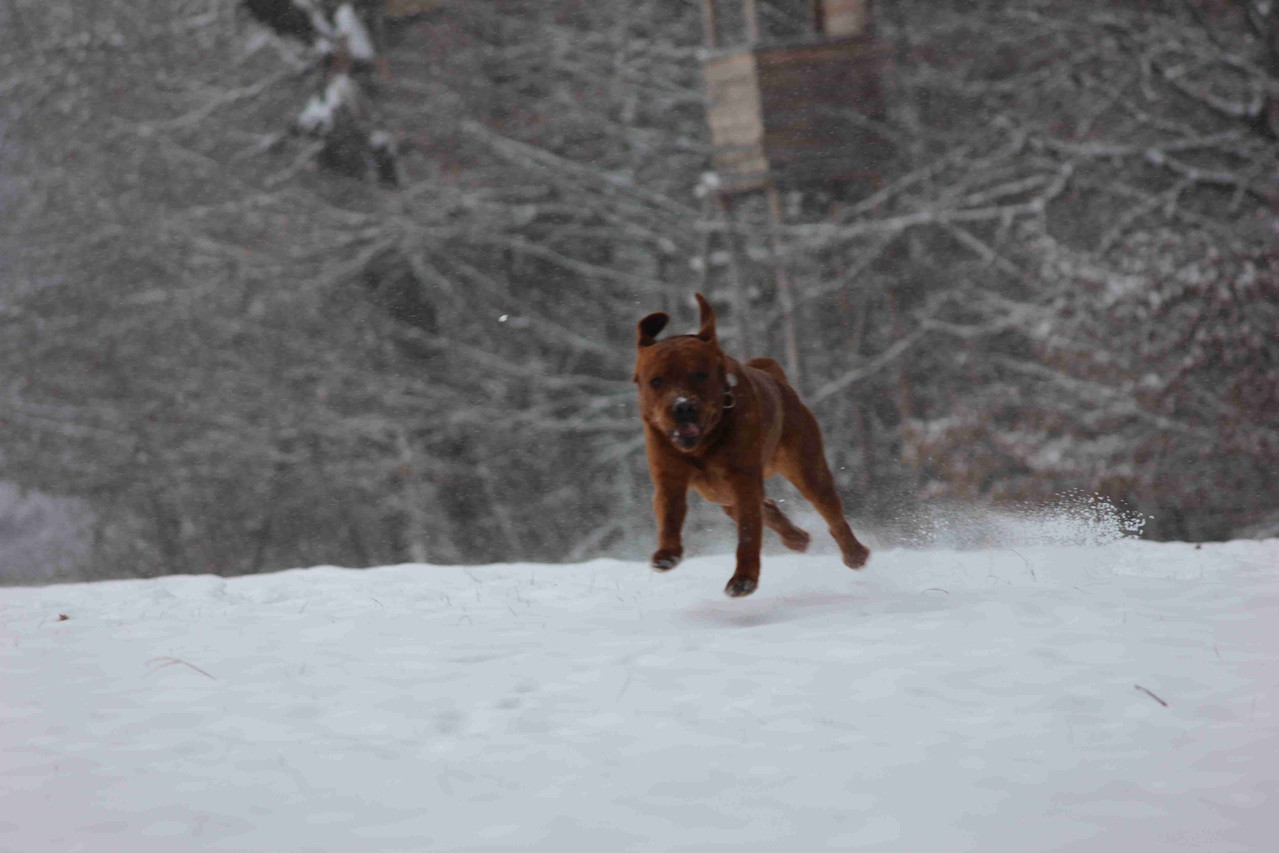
<point x="721" y="428"/>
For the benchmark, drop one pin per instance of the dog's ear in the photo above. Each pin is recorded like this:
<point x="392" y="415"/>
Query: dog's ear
<point x="707" y="331"/>
<point x="650" y="326"/>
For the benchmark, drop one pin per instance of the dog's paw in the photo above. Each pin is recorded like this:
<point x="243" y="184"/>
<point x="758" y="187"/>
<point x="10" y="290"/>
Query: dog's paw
<point x="738" y="587"/>
<point x="797" y="541"/>
<point x="664" y="561"/>
<point x="857" y="558"/>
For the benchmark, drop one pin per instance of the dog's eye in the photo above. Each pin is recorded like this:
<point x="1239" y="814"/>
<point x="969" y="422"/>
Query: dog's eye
<point x="657" y="382"/>
<point x="700" y="376"/>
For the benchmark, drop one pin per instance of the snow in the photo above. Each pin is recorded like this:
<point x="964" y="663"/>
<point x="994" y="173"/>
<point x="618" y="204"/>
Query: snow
<point x="1004" y="699"/>
<point x="316" y="16"/>
<point x="320" y="112"/>
<point x="358" y="41"/>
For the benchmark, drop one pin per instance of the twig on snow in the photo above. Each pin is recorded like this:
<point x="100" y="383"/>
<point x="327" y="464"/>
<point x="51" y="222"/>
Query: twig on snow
<point x="168" y="661"/>
<point x="1151" y="695"/>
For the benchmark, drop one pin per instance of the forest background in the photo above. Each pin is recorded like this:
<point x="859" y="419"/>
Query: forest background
<point x="263" y="306"/>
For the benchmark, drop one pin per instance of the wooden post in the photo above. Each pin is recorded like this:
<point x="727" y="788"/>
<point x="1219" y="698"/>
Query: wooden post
<point x="741" y="303"/>
<point x="710" y="22"/>
<point x="785" y="288"/>
<point x="752" y="22"/>
<point x="819" y="16"/>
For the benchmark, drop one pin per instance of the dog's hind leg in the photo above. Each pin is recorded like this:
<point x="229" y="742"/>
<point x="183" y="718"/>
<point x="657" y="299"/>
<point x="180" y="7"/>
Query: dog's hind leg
<point x="818" y="488"/>
<point x="794" y="538"/>
<point x="802" y="461"/>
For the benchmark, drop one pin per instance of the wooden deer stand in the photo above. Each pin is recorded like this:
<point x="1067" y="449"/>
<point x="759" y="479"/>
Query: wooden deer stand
<point x="788" y="113"/>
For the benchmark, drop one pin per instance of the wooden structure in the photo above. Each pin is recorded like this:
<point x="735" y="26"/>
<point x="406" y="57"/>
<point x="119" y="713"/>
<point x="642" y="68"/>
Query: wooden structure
<point x="791" y="113"/>
<point x="841" y="17"/>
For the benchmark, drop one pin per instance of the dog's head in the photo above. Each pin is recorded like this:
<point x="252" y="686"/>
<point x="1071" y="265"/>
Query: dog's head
<point x="684" y="382"/>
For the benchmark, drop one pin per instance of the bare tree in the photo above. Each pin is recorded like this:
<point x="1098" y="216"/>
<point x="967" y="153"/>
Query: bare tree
<point x="271" y="300"/>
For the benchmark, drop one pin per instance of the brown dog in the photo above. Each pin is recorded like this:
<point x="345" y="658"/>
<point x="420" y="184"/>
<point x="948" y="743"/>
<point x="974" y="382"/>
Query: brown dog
<point x="722" y="428"/>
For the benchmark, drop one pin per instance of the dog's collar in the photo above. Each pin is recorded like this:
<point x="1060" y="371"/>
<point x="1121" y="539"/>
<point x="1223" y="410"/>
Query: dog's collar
<point x="731" y="380"/>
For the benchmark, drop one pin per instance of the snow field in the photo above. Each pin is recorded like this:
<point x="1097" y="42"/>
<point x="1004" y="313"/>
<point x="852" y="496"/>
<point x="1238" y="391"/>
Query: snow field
<point x="1006" y="699"/>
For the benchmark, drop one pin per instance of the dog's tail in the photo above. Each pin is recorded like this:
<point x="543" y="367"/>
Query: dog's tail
<point x="769" y="366"/>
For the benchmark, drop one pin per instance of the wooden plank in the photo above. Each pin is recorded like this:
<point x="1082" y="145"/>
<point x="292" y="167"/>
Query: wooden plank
<point x="810" y="99"/>
<point x="733" y="100"/>
<point x="792" y="114"/>
<point x="731" y="183"/>
<point x="846" y="47"/>
<point x="729" y="66"/>
<point x="845" y="17"/>
<point x="848" y="71"/>
<point x="736" y="125"/>
<point x="741" y="159"/>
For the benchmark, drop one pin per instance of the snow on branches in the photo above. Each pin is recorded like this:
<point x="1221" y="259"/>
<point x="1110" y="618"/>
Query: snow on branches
<point x="339" y="114"/>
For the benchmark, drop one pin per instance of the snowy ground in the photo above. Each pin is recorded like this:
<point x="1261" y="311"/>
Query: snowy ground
<point x="993" y="700"/>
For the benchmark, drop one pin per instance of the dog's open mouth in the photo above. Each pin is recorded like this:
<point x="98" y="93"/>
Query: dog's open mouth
<point x="686" y="435"/>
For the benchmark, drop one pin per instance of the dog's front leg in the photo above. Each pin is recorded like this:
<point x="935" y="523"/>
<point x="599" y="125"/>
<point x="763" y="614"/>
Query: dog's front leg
<point x="670" y="503"/>
<point x="748" y="494"/>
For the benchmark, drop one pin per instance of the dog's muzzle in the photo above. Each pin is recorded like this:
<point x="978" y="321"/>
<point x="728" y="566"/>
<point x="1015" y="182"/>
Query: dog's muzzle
<point x="686" y="432"/>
